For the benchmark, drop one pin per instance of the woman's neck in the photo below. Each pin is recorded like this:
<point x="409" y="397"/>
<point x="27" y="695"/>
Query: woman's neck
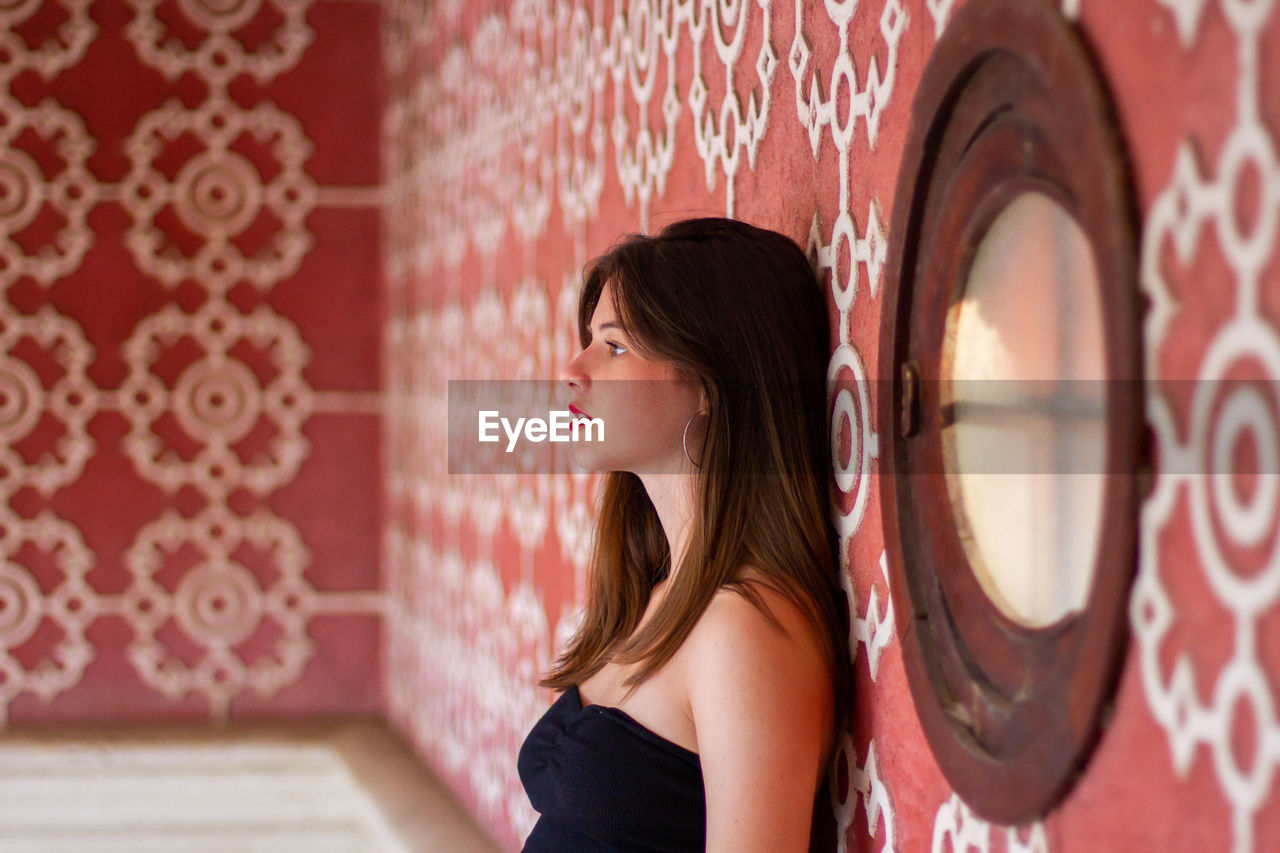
<point x="672" y="498"/>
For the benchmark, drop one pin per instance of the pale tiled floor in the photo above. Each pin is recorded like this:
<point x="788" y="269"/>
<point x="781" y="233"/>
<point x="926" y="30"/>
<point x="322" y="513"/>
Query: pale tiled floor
<point x="305" y="788"/>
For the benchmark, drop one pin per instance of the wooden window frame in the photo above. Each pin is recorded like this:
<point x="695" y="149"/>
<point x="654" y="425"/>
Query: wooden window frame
<point x="1009" y="103"/>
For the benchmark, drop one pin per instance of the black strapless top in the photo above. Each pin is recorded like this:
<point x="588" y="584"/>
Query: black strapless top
<point x="603" y="782"/>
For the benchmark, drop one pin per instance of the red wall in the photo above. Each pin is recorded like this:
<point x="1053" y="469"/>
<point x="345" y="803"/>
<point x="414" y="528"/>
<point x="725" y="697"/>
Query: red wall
<point x="522" y="138"/>
<point x="189" y="359"/>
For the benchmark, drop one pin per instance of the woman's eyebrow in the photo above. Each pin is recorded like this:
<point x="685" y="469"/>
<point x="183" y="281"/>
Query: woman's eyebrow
<point x="608" y="324"/>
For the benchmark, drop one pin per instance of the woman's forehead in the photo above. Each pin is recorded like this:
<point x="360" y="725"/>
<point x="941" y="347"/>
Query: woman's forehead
<point x="603" y="311"/>
<point x="604" y="306"/>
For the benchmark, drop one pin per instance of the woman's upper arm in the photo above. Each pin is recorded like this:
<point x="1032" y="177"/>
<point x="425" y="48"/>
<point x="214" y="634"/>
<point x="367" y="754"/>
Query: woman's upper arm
<point x="760" y="701"/>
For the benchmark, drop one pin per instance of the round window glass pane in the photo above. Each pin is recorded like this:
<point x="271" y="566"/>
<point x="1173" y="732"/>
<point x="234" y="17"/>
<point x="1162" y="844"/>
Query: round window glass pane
<point x="1024" y="436"/>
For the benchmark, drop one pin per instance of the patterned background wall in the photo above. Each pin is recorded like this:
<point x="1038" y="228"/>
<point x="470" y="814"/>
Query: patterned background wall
<point x="189" y="361"/>
<point x="521" y="138"/>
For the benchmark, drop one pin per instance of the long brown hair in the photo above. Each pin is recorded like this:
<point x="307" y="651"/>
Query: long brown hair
<point x="738" y="308"/>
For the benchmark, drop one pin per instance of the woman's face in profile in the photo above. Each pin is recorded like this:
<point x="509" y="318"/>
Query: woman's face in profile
<point x="643" y="404"/>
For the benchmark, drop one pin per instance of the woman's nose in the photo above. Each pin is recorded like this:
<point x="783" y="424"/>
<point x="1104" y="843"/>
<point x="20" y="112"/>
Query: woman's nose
<point x="574" y="375"/>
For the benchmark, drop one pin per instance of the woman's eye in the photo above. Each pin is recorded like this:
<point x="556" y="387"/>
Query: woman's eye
<point x="615" y="349"/>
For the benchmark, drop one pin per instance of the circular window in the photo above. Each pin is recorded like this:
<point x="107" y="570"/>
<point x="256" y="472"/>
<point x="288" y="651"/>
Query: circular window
<point x="1024" y="423"/>
<point x="1012" y="432"/>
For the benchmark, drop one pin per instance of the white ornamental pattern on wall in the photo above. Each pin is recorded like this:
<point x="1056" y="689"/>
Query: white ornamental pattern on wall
<point x="24" y="400"/>
<point x="58" y="51"/>
<point x="417" y="422"/>
<point x="848" y="388"/>
<point x="24" y="606"/>
<point x="25" y="189"/>
<point x="515" y="120"/>
<point x="25" y="186"/>
<point x="1196" y="456"/>
<point x="217" y="400"/>
<point x="472" y="700"/>
<point x="866" y="786"/>
<point x="219" y="604"/>
<point x="217" y="194"/>
<point x="220" y="57"/>
<point x="958" y="830"/>
<point x="468" y="653"/>
<point x="723" y="135"/>
<point x="866" y="104"/>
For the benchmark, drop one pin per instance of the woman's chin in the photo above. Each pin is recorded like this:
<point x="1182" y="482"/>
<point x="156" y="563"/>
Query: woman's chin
<point x="589" y="459"/>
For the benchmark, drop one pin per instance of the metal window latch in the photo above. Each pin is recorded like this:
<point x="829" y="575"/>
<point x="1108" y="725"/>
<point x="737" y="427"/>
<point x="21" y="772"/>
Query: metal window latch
<point x="909" y="414"/>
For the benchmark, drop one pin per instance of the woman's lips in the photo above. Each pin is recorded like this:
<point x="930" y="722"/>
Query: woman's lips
<point x="578" y="411"/>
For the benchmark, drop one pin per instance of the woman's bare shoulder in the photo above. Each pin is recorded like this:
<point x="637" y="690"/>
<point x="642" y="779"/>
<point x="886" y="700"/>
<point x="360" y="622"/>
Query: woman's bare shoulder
<point x="759" y="696"/>
<point x="733" y="626"/>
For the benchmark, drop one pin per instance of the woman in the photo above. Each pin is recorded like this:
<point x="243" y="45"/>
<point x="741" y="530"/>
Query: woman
<point x="704" y="688"/>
